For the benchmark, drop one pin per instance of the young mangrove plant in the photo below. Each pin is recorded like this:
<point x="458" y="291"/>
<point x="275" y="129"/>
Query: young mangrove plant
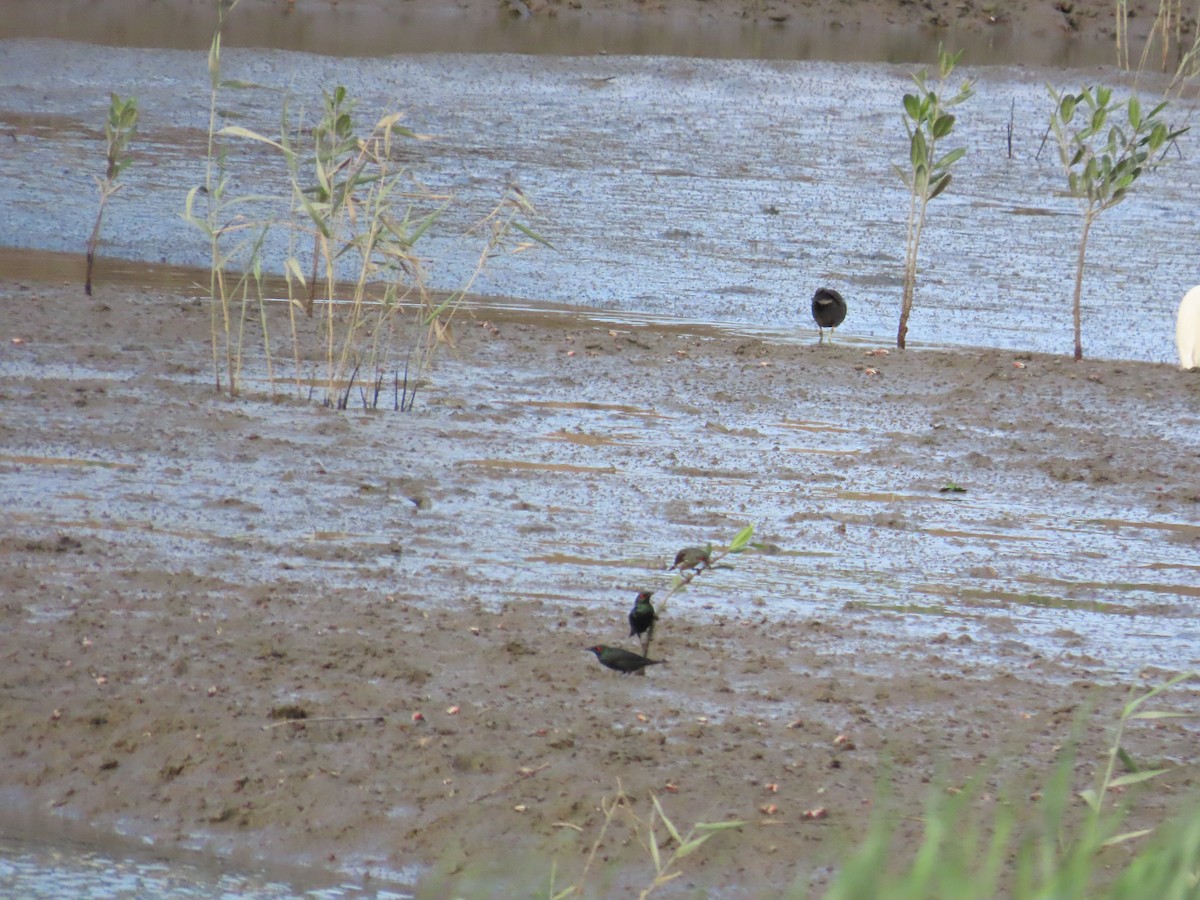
<point x="1103" y="153"/>
<point x="119" y="129"/>
<point x="691" y="561"/>
<point x="927" y="120"/>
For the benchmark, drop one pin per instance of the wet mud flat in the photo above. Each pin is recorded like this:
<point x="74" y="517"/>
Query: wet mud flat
<point x="179" y="570"/>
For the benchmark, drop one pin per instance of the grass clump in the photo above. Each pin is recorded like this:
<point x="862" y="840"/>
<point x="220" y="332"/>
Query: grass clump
<point x="353" y="218"/>
<point x="1062" y="851"/>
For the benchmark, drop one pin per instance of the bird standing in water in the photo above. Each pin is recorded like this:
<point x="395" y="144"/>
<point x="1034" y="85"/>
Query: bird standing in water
<point x="828" y="311"/>
<point x="692" y="558"/>
<point x="642" y="618"/>
<point x="622" y="660"/>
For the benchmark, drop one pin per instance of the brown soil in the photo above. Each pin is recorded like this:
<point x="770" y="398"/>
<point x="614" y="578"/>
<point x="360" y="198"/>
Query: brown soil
<point x="159" y="628"/>
<point x="1086" y="19"/>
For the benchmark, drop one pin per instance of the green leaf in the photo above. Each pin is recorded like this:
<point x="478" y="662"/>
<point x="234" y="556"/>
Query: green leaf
<point x="1066" y="109"/>
<point x="942" y="125"/>
<point x="940" y="186"/>
<point x="912" y="106"/>
<point x="1158" y="136"/>
<point x="918" y="152"/>
<point x="1127" y="761"/>
<point x="1135" y="114"/>
<point x="654" y="855"/>
<point x="1103" y="95"/>
<point x="691" y="846"/>
<point x="1127" y="836"/>
<point x="292" y="270"/>
<point x="718" y="826"/>
<point x="1135" y="777"/>
<point x="662" y="815"/>
<point x="214" y="61"/>
<point x="1132" y="705"/>
<point x="239" y="131"/>
<point x="741" y="539"/>
<point x="1091" y="799"/>
<point x="532" y="235"/>
<point x="950" y="159"/>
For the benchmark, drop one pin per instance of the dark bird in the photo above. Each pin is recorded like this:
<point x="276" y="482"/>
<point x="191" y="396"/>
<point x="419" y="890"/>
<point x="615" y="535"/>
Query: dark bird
<point x="642" y="618"/>
<point x="622" y="660"/>
<point x="828" y="311"/>
<point x="691" y="558"/>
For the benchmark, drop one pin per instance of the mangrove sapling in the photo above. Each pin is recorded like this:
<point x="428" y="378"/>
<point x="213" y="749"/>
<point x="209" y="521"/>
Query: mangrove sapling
<point x="740" y="542"/>
<point x="119" y="129"/>
<point x="927" y="121"/>
<point x="1103" y="155"/>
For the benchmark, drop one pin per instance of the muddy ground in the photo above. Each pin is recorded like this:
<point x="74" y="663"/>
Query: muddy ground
<point x="180" y="569"/>
<point x="357" y="27"/>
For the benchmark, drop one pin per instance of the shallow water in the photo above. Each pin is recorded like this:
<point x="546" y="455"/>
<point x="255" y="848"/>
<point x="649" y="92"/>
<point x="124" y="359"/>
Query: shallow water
<point x="33" y="870"/>
<point x="714" y="190"/>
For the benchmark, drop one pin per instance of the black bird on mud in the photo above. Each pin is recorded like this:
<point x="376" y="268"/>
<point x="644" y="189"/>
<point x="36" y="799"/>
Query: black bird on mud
<point x="642" y="618"/>
<point x="828" y="311"/>
<point x="622" y="660"/>
<point x="692" y="558"/>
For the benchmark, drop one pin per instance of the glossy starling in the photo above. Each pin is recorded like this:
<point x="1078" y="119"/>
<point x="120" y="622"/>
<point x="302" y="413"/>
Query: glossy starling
<point x="621" y="660"/>
<point x="828" y="311"/>
<point x="691" y="558"/>
<point x="642" y="617"/>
